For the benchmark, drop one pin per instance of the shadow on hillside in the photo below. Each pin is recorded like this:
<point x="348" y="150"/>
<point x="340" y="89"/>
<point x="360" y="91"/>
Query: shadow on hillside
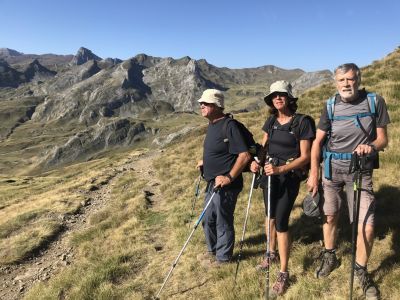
<point x="258" y="239"/>
<point x="387" y="221"/>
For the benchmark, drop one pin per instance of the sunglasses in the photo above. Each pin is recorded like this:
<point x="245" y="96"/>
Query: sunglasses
<point x="206" y="104"/>
<point x="280" y="94"/>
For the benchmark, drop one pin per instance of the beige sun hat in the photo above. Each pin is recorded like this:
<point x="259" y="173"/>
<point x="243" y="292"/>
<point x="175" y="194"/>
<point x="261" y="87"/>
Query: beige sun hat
<point x="280" y="86"/>
<point x="213" y="96"/>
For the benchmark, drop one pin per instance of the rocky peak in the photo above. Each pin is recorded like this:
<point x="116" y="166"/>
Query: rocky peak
<point x="6" y="52"/>
<point x="9" y="77"/>
<point x="84" y="55"/>
<point x="35" y="71"/>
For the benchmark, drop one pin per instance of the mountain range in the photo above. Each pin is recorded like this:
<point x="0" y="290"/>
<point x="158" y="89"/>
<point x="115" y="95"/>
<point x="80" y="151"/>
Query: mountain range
<point x="101" y="103"/>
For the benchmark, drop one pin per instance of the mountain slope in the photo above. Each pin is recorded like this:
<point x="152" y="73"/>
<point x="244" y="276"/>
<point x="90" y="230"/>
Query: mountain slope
<point x="128" y="245"/>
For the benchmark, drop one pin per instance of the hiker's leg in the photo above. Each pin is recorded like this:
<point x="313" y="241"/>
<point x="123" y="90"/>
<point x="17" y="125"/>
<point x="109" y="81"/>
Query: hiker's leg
<point x="284" y="248"/>
<point x="209" y="222"/>
<point x="225" y="209"/>
<point x="365" y="235"/>
<point x="272" y="238"/>
<point x="331" y="207"/>
<point x="330" y="231"/>
<point x="288" y="192"/>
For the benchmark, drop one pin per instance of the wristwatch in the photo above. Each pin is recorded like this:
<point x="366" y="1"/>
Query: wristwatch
<point x="229" y="176"/>
<point x="373" y="147"/>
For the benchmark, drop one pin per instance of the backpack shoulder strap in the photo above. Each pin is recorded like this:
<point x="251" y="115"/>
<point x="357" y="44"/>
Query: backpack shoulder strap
<point x="330" y="107"/>
<point x="372" y="103"/>
<point x="270" y="123"/>
<point x="295" y="124"/>
<point x="227" y="119"/>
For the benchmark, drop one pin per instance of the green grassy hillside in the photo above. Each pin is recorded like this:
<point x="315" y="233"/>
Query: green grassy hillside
<point x="128" y="245"/>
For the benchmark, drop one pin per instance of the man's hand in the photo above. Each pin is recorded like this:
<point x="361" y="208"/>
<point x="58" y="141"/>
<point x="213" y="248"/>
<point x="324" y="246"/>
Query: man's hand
<point x="364" y="149"/>
<point x="312" y="184"/>
<point x="199" y="164"/>
<point x="221" y="181"/>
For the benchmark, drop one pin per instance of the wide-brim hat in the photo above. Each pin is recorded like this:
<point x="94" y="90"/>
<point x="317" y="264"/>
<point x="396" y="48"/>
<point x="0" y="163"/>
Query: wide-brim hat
<point x="312" y="205"/>
<point x="280" y="86"/>
<point x="213" y="96"/>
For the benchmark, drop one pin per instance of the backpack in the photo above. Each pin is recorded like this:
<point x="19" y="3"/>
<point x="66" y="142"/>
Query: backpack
<point x="252" y="146"/>
<point x="329" y="155"/>
<point x="294" y="128"/>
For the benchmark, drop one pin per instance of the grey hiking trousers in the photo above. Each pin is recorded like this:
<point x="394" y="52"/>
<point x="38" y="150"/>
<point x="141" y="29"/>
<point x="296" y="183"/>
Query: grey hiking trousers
<point x="218" y="222"/>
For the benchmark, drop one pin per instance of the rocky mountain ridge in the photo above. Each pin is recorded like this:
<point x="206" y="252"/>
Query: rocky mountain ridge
<point x="95" y="92"/>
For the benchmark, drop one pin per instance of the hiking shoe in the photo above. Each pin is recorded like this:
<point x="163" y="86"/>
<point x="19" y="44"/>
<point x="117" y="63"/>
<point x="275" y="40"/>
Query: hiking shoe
<point x="329" y="262"/>
<point x="214" y="264"/>
<point x="273" y="259"/>
<point x="281" y="284"/>
<point x="368" y="286"/>
<point x="206" y="256"/>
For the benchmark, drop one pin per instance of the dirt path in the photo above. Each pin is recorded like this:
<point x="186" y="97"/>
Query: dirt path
<point x="17" y="279"/>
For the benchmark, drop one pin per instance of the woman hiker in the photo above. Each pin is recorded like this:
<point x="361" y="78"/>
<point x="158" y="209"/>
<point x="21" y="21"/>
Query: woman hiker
<point x="287" y="140"/>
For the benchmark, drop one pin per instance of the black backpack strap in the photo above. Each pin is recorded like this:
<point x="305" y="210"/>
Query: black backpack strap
<point x="270" y="125"/>
<point x="227" y="119"/>
<point x="294" y="126"/>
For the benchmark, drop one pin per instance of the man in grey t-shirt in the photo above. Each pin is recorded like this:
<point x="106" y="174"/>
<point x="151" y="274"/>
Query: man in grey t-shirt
<point x="346" y="135"/>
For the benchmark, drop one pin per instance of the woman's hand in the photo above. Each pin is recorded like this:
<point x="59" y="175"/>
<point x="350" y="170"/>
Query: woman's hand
<point x="270" y="169"/>
<point x="254" y="167"/>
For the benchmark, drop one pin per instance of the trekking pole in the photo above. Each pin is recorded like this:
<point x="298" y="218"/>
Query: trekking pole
<point x="244" y="225"/>
<point x="274" y="162"/>
<point x="356" y="210"/>
<point x="196" y="195"/>
<point x="268" y="235"/>
<point x="186" y="243"/>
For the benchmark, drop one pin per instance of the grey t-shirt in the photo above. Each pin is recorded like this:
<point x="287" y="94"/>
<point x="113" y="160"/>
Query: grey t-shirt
<point x="345" y="135"/>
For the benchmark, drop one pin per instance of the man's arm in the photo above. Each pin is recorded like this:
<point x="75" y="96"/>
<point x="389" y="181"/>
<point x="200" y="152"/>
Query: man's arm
<point x="241" y="162"/>
<point x="312" y="182"/>
<point x="378" y="144"/>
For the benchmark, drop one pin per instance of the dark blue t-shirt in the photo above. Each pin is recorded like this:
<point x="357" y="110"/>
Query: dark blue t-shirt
<point x="219" y="156"/>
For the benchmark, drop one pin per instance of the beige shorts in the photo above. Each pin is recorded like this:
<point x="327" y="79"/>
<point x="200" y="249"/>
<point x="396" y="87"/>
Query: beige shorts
<point x="343" y="183"/>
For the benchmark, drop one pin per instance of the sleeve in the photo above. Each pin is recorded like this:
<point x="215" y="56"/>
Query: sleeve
<point x="307" y="129"/>
<point x="383" y="116"/>
<point x="324" y="124"/>
<point x="237" y="143"/>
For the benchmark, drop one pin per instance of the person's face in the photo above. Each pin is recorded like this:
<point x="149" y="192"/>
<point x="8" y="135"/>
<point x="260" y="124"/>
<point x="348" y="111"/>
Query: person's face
<point x="347" y="85"/>
<point x="279" y="100"/>
<point x="207" y="109"/>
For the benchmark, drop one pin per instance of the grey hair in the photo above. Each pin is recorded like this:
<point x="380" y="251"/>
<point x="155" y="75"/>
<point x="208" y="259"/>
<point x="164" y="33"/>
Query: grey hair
<point x="347" y="67"/>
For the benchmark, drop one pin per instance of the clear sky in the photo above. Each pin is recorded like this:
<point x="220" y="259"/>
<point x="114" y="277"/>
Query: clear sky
<point x="311" y="35"/>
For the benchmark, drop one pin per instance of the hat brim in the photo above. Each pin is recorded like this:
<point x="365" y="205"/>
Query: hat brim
<point x="210" y="101"/>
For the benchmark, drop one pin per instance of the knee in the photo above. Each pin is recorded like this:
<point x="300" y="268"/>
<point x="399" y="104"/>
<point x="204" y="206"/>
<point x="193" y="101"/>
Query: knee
<point x="282" y="226"/>
<point x="367" y="230"/>
<point x="331" y="220"/>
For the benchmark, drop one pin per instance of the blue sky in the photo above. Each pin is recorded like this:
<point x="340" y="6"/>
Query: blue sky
<point x="311" y="35"/>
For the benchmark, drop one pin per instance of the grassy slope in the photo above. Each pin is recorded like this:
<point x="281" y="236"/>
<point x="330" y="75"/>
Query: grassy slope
<point x="116" y="257"/>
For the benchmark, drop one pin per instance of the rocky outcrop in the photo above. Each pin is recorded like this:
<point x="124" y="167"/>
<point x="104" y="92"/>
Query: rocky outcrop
<point x="102" y="136"/>
<point x="83" y="55"/>
<point x="6" y="52"/>
<point x="262" y="75"/>
<point x="177" y="82"/>
<point x="9" y="77"/>
<point x="172" y="137"/>
<point x="36" y="72"/>
<point x="311" y="80"/>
